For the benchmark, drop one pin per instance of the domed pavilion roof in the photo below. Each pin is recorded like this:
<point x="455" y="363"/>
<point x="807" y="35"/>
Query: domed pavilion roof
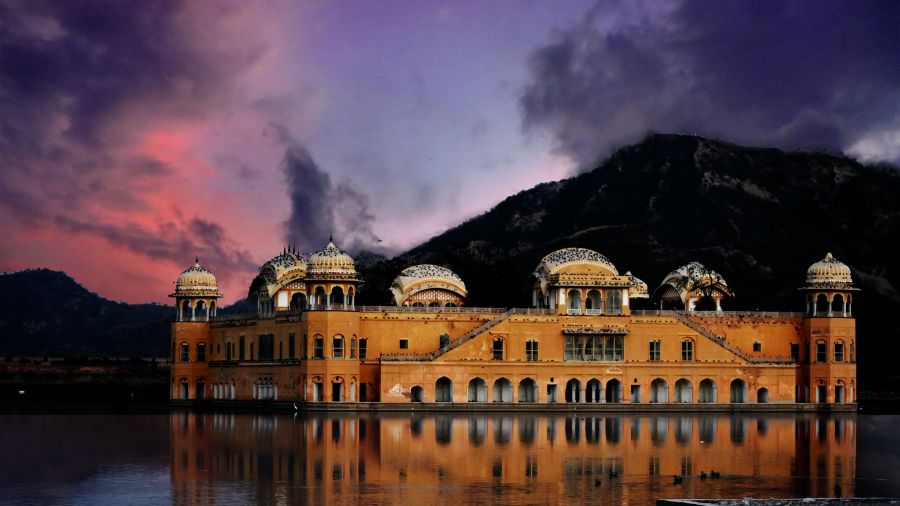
<point x="828" y="273"/>
<point x="196" y="281"/>
<point x="638" y="289"/>
<point x="331" y="262"/>
<point x="421" y="277"/>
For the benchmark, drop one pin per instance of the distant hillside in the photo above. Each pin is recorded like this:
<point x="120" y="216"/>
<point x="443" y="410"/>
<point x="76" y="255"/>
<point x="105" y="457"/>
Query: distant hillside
<point x="758" y="216"/>
<point x="44" y="312"/>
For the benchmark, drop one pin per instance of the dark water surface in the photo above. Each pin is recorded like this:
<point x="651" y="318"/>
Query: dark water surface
<point x="197" y="458"/>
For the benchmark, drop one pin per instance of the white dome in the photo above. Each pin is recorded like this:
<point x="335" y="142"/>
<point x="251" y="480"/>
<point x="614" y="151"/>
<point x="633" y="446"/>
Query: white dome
<point x="828" y="272"/>
<point x="331" y="261"/>
<point x="196" y="281"/>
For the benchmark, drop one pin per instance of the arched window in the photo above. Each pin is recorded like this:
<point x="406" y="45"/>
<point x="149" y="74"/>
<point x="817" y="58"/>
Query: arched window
<point x="852" y="351"/>
<point x="337" y="347"/>
<point x="838" y="352"/>
<point x="320" y="297"/>
<point x="318" y="347"/>
<point x="185" y="353"/>
<point x="186" y="311"/>
<point x="201" y="352"/>
<point x="353" y="347"/>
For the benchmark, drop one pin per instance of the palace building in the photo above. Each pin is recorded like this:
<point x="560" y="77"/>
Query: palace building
<point x="580" y="342"/>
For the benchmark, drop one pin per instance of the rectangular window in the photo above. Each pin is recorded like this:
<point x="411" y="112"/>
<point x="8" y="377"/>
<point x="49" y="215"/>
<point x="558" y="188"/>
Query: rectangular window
<point x="795" y="352"/>
<point x="337" y="348"/>
<point x="404" y="344"/>
<point x="318" y="348"/>
<point x="241" y="348"/>
<point x="687" y="351"/>
<point x="757" y="346"/>
<point x="594" y="348"/>
<point x="185" y="352"/>
<point x="497" y="350"/>
<point x="228" y="351"/>
<point x="655" y="347"/>
<point x="852" y="352"/>
<point x="531" y="351"/>
<point x="292" y="351"/>
<point x="821" y="354"/>
<point x="201" y="352"/>
<point x="362" y="348"/>
<point x="266" y="347"/>
<point x="353" y="348"/>
<point x="838" y="352"/>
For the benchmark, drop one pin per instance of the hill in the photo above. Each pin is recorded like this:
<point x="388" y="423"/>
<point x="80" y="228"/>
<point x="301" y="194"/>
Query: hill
<point x="45" y="312"/>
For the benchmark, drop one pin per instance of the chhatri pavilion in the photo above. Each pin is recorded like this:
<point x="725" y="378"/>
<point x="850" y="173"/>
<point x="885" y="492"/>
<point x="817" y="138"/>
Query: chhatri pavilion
<point x="581" y="341"/>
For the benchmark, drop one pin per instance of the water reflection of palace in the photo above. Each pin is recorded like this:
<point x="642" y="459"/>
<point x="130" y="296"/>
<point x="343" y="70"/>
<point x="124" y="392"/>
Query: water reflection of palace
<point x="421" y="459"/>
<point x="585" y="338"/>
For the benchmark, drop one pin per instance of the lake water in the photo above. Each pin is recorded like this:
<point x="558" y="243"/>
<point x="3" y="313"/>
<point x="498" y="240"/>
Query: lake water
<point x="203" y="458"/>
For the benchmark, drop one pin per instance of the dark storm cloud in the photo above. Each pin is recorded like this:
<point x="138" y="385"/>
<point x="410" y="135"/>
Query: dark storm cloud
<point x="799" y="74"/>
<point x="81" y="85"/>
<point x="172" y="241"/>
<point x="320" y="209"/>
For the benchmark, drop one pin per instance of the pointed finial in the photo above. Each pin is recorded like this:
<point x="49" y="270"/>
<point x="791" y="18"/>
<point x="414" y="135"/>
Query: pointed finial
<point x="197" y="260"/>
<point x="330" y="238"/>
<point x="829" y="256"/>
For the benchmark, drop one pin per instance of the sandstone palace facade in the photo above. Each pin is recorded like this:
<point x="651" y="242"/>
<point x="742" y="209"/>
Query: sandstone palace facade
<point x="582" y="341"/>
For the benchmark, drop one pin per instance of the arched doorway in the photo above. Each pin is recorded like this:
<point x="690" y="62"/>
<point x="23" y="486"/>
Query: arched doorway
<point x="477" y="391"/>
<point x="593" y="391"/>
<point x="613" y="391"/>
<point x="298" y="302"/>
<point x="659" y="391"/>
<point x="762" y="395"/>
<point x="738" y="391"/>
<point x="527" y="390"/>
<point x="574" y="300"/>
<point x="593" y="303"/>
<point x="321" y="299"/>
<point x="684" y="391"/>
<point x="707" y="391"/>
<point x="417" y="394"/>
<point x="839" y="396"/>
<point x="443" y="390"/>
<point x="573" y="391"/>
<point x="822" y="305"/>
<point x="503" y="390"/>
<point x="337" y="297"/>
<point x="838" y="306"/>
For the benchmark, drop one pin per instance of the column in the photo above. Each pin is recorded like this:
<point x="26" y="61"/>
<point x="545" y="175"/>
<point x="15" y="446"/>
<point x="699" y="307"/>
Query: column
<point x="193" y="312"/>
<point x="844" y="299"/>
<point x="830" y="300"/>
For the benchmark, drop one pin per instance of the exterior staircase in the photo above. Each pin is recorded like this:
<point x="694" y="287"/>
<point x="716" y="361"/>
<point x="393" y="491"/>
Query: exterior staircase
<point x="468" y="336"/>
<point x="700" y="329"/>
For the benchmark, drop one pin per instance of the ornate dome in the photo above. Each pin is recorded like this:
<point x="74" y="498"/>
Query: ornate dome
<point x="423" y="277"/>
<point x="638" y="289"/>
<point x="692" y="279"/>
<point x="287" y="265"/>
<point x="329" y="262"/>
<point x="828" y="272"/>
<point x="565" y="257"/>
<point x="196" y="281"/>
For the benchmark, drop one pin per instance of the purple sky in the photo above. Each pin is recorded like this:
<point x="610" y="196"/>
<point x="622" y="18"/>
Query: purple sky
<point x="134" y="136"/>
